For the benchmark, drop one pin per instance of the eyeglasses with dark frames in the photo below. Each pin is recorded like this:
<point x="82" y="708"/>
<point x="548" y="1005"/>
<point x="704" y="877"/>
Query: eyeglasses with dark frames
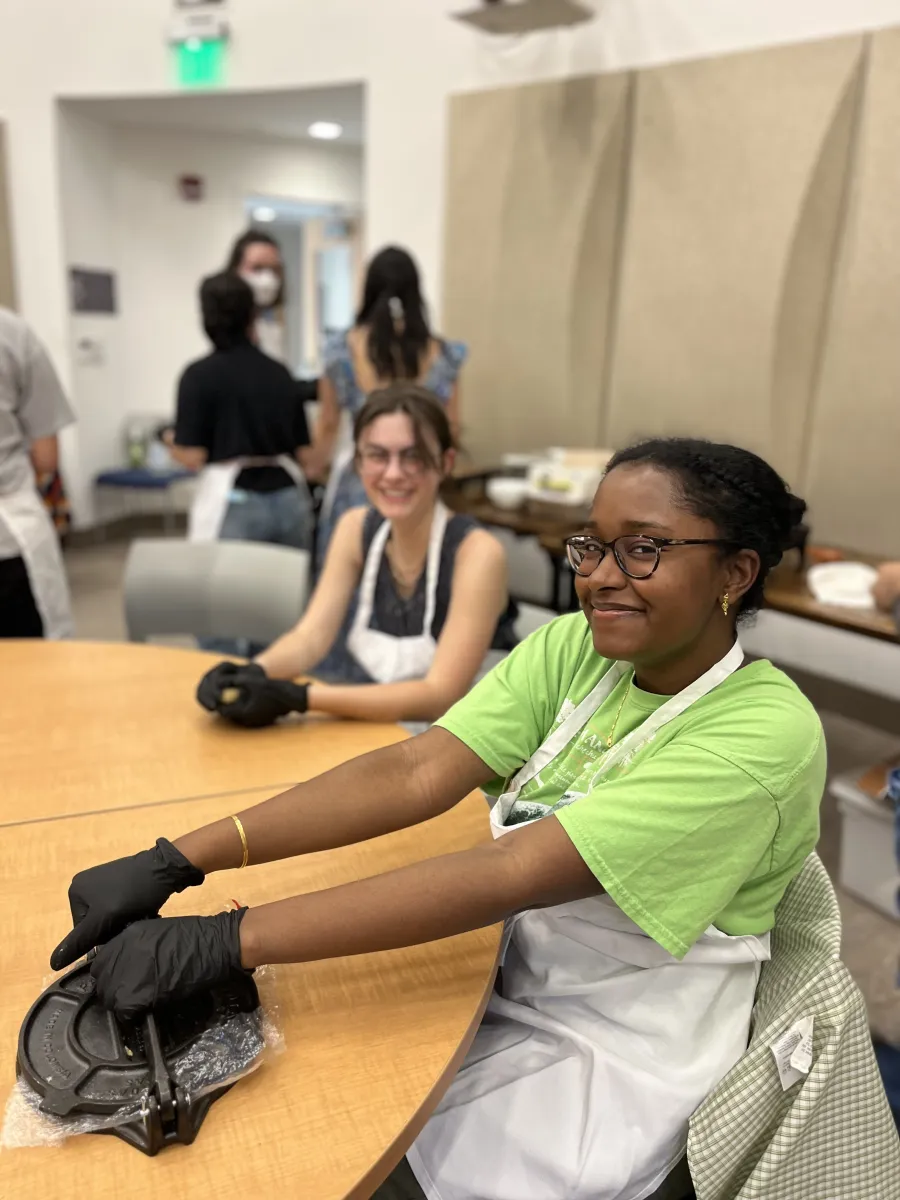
<point x="637" y="554"/>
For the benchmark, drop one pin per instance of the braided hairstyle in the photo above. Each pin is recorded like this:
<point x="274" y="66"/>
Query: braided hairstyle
<point x="738" y="491"/>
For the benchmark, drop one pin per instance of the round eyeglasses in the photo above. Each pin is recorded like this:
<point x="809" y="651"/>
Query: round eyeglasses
<point x="373" y="460"/>
<point x="637" y="554"/>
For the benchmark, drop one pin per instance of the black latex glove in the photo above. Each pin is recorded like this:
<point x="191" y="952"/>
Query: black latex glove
<point x="158" y="961"/>
<point x="225" y="675"/>
<point x="259" y="700"/>
<point x="105" y="899"/>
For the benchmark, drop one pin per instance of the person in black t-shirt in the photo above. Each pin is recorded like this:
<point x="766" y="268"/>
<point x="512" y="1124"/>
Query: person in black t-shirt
<point x="241" y="424"/>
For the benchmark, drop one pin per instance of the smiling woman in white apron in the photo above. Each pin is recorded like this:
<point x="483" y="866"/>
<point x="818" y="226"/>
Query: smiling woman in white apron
<point x="655" y="796"/>
<point x="34" y="596"/>
<point x="410" y="600"/>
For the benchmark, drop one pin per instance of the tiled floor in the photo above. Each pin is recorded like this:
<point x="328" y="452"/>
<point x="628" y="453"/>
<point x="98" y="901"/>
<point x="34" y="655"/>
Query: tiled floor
<point x="871" y="941"/>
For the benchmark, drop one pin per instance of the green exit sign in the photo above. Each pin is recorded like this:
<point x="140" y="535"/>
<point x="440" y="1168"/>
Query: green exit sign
<point x="200" y="62"/>
<point x="199" y="38"/>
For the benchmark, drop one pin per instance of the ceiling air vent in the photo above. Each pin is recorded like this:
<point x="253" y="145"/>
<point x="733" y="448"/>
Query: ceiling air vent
<point x="525" y="16"/>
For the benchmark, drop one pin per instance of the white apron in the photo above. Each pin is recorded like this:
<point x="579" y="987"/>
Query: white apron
<point x="390" y="659"/>
<point x="23" y="513"/>
<point x="584" y="1073"/>
<point x="214" y="487"/>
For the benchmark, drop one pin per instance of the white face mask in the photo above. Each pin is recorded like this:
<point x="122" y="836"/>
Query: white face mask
<point x="265" y="285"/>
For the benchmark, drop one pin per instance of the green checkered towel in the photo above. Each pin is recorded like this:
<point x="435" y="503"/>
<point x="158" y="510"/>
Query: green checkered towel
<point x="831" y="1135"/>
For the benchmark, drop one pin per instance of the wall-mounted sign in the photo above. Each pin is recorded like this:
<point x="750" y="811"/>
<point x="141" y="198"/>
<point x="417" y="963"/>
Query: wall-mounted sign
<point x="92" y="291"/>
<point x="198" y="33"/>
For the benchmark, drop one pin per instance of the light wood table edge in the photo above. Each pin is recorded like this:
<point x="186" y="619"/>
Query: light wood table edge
<point x="254" y="789"/>
<point x="380" y="1170"/>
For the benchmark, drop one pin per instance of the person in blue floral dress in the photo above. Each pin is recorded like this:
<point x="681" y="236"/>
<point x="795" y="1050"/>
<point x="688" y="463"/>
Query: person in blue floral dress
<point x="391" y="340"/>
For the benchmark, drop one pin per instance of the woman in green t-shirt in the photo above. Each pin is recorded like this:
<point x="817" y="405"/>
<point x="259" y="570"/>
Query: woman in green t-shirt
<point x="682" y="790"/>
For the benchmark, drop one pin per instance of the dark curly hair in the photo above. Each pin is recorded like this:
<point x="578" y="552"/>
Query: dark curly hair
<point x="748" y="501"/>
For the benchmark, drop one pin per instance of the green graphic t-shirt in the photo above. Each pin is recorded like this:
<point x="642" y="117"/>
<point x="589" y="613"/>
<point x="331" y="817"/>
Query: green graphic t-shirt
<point x="705" y="824"/>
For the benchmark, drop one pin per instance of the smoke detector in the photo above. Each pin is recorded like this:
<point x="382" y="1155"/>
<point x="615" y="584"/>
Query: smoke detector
<point x="525" y="16"/>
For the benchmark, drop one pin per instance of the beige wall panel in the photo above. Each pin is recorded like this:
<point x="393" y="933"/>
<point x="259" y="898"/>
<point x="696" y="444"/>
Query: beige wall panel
<point x="534" y="191"/>
<point x="7" y="278"/>
<point x="736" y="203"/>
<point x="853" y="476"/>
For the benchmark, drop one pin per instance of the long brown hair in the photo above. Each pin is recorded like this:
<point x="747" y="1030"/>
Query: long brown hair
<point x="425" y="411"/>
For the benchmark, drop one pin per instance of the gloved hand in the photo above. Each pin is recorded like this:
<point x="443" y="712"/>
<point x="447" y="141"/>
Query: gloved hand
<point x="104" y="899"/>
<point x="157" y="961"/>
<point x="222" y="676"/>
<point x="262" y="703"/>
<point x="259" y="700"/>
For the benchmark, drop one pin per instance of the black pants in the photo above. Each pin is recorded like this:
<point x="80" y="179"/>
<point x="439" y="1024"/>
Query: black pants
<point x="19" y="616"/>
<point x="401" y="1184"/>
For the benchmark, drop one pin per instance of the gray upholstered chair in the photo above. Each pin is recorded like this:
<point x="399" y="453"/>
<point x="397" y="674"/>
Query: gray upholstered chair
<point x="224" y="589"/>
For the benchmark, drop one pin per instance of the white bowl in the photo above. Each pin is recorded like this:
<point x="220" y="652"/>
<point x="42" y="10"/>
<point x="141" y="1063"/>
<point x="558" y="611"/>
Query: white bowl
<point x="506" y="493"/>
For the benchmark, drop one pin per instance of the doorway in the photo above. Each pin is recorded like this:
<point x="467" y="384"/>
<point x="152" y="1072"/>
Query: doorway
<point x="322" y="249"/>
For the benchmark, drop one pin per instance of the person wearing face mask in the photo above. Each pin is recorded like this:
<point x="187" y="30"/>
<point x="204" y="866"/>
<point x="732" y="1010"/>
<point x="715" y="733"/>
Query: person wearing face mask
<point x="410" y="600"/>
<point x="391" y="340"/>
<point x="256" y="257"/>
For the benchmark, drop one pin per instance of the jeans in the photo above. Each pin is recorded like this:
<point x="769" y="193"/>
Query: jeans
<point x="282" y="518"/>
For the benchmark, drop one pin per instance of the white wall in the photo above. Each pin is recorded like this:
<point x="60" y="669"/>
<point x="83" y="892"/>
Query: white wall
<point x="122" y="209"/>
<point x="90" y="228"/>
<point x="406" y="51"/>
<point x="168" y="245"/>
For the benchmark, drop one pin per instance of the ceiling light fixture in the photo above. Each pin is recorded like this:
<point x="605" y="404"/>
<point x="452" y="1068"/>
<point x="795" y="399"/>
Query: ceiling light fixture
<point x="264" y="214"/>
<point x="326" y="131"/>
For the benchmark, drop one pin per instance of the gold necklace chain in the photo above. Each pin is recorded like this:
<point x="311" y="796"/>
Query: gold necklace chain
<point x="612" y="732"/>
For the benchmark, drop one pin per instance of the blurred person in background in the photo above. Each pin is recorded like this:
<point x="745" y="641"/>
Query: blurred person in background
<point x="240" y="423"/>
<point x="256" y="258"/>
<point x="390" y="341"/>
<point x="34" y="596"/>
<point x="410" y="600"/>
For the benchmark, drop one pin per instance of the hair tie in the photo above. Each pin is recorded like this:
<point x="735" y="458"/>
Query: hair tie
<point x="395" y="304"/>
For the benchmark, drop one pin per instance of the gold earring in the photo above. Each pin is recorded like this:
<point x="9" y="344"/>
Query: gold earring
<point x="725" y="604"/>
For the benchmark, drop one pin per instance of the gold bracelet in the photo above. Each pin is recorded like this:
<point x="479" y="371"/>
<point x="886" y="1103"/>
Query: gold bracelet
<point x="240" y="829"/>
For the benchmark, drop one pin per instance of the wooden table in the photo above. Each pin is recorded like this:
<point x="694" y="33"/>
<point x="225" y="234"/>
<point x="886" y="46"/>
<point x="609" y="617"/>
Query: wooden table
<point x="86" y="726"/>
<point x="371" y="1042"/>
